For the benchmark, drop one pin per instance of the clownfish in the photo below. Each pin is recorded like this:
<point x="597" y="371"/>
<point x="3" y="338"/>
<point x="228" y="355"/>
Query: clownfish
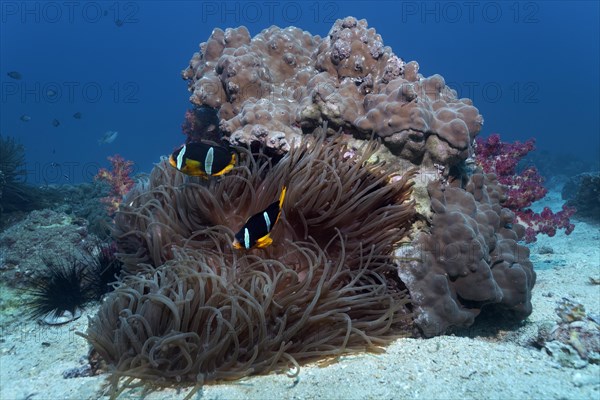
<point x="202" y="159"/>
<point x="256" y="232"/>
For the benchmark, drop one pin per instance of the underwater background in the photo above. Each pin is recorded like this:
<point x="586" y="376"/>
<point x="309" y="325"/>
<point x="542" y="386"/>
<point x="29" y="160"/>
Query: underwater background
<point x="439" y="281"/>
<point x="531" y="68"/>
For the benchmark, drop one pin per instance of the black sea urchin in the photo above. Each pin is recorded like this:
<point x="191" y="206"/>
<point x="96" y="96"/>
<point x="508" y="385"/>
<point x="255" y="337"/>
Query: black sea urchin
<point x="104" y="270"/>
<point x="60" y="293"/>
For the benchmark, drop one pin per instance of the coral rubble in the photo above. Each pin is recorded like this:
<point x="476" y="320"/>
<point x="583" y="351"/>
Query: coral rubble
<point x="44" y="236"/>
<point x="574" y="341"/>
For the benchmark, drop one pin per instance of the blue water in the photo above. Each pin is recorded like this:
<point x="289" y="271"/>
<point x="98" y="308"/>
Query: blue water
<point x="530" y="67"/>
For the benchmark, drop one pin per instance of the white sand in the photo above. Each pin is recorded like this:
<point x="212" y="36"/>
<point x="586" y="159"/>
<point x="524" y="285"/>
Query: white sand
<point x="491" y="366"/>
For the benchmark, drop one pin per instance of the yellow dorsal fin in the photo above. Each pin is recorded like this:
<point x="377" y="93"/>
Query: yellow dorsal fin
<point x="282" y="196"/>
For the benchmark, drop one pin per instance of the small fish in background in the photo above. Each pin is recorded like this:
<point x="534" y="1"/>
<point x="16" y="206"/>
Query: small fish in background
<point x="15" y="75"/>
<point x="119" y="23"/>
<point x="77" y="115"/>
<point x="256" y="232"/>
<point x="108" y="137"/>
<point x="25" y="118"/>
<point x="51" y="93"/>
<point x="55" y="122"/>
<point x="203" y="159"/>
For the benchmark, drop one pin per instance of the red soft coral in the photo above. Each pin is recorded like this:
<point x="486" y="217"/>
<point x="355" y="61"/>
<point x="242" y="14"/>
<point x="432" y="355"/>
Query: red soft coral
<point x="524" y="188"/>
<point x="119" y="180"/>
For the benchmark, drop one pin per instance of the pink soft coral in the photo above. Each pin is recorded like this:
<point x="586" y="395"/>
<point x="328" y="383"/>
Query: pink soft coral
<point x="524" y="188"/>
<point x="119" y="180"/>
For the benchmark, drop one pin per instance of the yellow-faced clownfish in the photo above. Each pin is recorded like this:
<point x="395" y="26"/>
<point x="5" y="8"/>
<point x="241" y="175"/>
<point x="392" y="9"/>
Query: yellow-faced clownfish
<point x="256" y="232"/>
<point x="202" y="159"/>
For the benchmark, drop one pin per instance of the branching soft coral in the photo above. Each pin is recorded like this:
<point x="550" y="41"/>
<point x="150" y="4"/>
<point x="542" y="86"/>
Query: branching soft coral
<point x="524" y="187"/>
<point x="119" y="180"/>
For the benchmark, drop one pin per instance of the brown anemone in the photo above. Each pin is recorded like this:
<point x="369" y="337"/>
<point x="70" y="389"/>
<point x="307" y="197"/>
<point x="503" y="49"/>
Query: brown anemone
<point x="192" y="308"/>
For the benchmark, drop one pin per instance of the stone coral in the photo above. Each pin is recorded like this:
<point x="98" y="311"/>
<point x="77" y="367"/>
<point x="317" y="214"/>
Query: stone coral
<point x="469" y="260"/>
<point x="271" y="88"/>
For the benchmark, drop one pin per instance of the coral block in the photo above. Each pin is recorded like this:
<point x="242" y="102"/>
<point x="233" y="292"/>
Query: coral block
<point x="271" y="88"/>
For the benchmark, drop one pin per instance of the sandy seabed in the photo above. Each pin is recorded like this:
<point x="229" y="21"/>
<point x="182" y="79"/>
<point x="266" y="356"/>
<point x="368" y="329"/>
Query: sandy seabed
<point x="482" y="363"/>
